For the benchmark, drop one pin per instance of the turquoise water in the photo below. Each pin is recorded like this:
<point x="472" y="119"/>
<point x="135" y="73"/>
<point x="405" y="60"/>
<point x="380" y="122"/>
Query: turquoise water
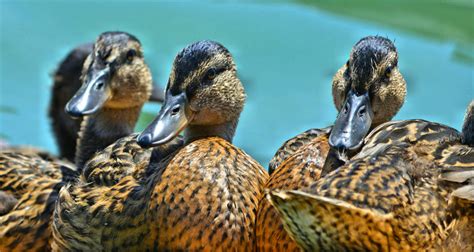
<point x="286" y="55"/>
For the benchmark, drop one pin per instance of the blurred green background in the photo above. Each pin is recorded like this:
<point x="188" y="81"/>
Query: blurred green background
<point x="286" y="52"/>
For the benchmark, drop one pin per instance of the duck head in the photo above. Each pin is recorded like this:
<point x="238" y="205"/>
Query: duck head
<point x="368" y="90"/>
<point x="203" y="95"/>
<point x="114" y="75"/>
<point x="468" y="126"/>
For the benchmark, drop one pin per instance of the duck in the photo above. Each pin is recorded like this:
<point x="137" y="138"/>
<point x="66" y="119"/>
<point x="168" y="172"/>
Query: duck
<point x="367" y="90"/>
<point x="195" y="192"/>
<point x="410" y="188"/>
<point x="67" y="81"/>
<point x="117" y="83"/>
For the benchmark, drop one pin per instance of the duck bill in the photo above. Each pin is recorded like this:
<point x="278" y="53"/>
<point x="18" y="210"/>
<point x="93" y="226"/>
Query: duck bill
<point x="171" y="120"/>
<point x="92" y="95"/>
<point x="353" y="122"/>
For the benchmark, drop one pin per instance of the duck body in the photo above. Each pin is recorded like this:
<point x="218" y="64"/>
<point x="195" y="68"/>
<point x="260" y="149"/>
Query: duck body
<point x="369" y="81"/>
<point x="393" y="195"/>
<point x="32" y="176"/>
<point x="208" y="197"/>
<point x="298" y="170"/>
<point x="294" y="145"/>
<point x="210" y="205"/>
<point x="106" y="208"/>
<point x="33" y="183"/>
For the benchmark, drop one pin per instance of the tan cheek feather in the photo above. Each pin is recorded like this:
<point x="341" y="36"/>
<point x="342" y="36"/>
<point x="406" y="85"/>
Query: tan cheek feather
<point x="339" y="88"/>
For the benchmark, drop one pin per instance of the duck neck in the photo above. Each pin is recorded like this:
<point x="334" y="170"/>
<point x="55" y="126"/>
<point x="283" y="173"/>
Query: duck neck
<point x="225" y="130"/>
<point x="102" y="129"/>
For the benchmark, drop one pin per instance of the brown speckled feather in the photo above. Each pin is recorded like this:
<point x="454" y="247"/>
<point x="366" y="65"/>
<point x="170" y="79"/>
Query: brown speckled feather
<point x="18" y="168"/>
<point x="388" y="197"/>
<point x="207" y="199"/>
<point x="458" y="164"/>
<point x="124" y="157"/>
<point x="412" y="131"/>
<point x="293" y="145"/>
<point x="371" y="204"/>
<point x="220" y="184"/>
<point x="106" y="208"/>
<point x="26" y="225"/>
<point x="298" y="171"/>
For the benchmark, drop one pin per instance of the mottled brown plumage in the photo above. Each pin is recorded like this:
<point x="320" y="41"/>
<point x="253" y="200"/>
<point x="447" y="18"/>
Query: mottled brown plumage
<point x="32" y="177"/>
<point x="207" y="200"/>
<point x="200" y="196"/>
<point x="365" y="70"/>
<point x="34" y="182"/>
<point x="298" y="171"/>
<point x="293" y="145"/>
<point x="107" y="207"/>
<point x="397" y="193"/>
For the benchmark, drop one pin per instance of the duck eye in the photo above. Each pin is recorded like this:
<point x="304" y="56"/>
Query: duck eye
<point x="347" y="63"/>
<point x="175" y="110"/>
<point x="131" y="55"/>
<point x="362" y="111"/>
<point x="211" y="74"/>
<point x="388" y="71"/>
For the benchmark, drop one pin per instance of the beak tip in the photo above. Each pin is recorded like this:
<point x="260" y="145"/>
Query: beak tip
<point x="344" y="144"/>
<point x="144" y="140"/>
<point x="340" y="142"/>
<point x="72" y="111"/>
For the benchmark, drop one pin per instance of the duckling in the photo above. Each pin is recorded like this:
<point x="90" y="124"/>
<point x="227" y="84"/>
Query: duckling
<point x="117" y="82"/>
<point x="198" y="194"/>
<point x="208" y="194"/>
<point x="402" y="191"/>
<point x="367" y="91"/>
<point x="370" y="86"/>
<point x="67" y="80"/>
